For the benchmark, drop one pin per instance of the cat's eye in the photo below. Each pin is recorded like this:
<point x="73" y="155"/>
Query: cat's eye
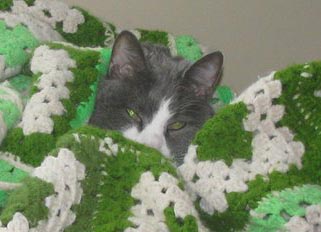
<point x="132" y="114"/>
<point x="176" y="125"/>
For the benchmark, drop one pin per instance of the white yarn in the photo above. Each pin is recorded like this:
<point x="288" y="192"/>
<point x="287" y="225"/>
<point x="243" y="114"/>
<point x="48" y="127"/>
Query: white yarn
<point x="172" y="44"/>
<point x="73" y="19"/>
<point x="65" y="173"/>
<point x="110" y="35"/>
<point x="273" y="150"/>
<point x="46" y="60"/>
<point x="54" y="65"/>
<point x="8" y="186"/>
<point x="317" y="93"/>
<point x="306" y="74"/>
<point x="311" y="221"/>
<point x="40" y="24"/>
<point x="155" y="196"/>
<point x="60" y="12"/>
<point x="31" y="17"/>
<point x="211" y="183"/>
<point x="76" y="137"/>
<point x="78" y="47"/>
<point x="18" y="224"/>
<point x="108" y="147"/>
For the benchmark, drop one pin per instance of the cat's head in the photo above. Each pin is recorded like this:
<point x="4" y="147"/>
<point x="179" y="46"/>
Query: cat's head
<point x="156" y="99"/>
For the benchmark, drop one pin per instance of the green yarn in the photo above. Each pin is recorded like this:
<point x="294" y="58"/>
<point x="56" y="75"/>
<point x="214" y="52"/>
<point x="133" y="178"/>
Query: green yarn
<point x="87" y="153"/>
<point x="221" y="140"/>
<point x="188" y="224"/>
<point x="303" y="113"/>
<point x="105" y="55"/>
<point x="3" y="199"/>
<point x="10" y="112"/>
<point x="270" y="213"/>
<point x="11" y="174"/>
<point x="6" y="4"/>
<point x="86" y="74"/>
<point x="85" y="109"/>
<point x="91" y="33"/>
<point x="29" y="199"/>
<point x="30" y="2"/>
<point x="225" y="94"/>
<point x="14" y="42"/>
<point x="188" y="48"/>
<point x="112" y="210"/>
<point x="237" y="216"/>
<point x="31" y="148"/>
<point x="23" y="85"/>
<point x="89" y="130"/>
<point x="158" y="37"/>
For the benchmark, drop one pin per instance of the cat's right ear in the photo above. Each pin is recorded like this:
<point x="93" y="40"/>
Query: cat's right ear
<point x="205" y="74"/>
<point x="127" y="57"/>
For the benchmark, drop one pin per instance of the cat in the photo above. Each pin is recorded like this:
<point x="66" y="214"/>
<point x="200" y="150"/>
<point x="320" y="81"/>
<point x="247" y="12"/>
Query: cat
<point x="155" y="98"/>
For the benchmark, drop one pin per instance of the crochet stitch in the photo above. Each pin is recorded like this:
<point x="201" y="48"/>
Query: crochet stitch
<point x="14" y="46"/>
<point x="54" y="68"/>
<point x="254" y="166"/>
<point x="290" y="209"/>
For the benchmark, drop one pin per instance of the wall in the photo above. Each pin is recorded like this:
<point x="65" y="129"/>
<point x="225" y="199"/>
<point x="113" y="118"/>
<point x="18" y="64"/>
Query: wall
<point x="256" y="36"/>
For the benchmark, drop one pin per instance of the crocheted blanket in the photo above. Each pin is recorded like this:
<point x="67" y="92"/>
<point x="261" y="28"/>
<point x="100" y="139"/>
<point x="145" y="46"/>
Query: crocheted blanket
<point x="254" y="166"/>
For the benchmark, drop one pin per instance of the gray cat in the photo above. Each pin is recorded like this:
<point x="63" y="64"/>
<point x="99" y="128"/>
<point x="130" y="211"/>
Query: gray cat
<point x="154" y="98"/>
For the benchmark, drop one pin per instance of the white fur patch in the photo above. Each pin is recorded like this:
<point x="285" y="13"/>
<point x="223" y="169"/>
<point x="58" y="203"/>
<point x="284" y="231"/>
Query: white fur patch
<point x="153" y="133"/>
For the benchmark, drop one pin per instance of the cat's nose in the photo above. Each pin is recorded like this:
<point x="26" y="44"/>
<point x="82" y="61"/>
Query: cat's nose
<point x="154" y="141"/>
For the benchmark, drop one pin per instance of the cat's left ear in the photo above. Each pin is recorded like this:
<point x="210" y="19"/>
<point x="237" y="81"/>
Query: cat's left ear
<point x="127" y="57"/>
<point x="205" y="74"/>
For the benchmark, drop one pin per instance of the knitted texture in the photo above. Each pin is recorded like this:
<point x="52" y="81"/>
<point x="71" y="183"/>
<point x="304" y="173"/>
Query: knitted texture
<point x="61" y="98"/>
<point x="11" y="174"/>
<point x="85" y="108"/>
<point x="53" y="67"/>
<point x="22" y="84"/>
<point x="289" y="209"/>
<point x="92" y="32"/>
<point x="188" y="47"/>
<point x="42" y="16"/>
<point x="285" y="140"/>
<point x="29" y="200"/>
<point x="14" y="46"/>
<point x="254" y="166"/>
<point x="154" y="197"/>
<point x="106" y="157"/>
<point x="5" y="4"/>
<point x="65" y="173"/>
<point x="11" y="107"/>
<point x="184" y="46"/>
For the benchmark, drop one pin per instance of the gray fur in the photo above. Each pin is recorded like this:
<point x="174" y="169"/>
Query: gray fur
<point x="141" y="76"/>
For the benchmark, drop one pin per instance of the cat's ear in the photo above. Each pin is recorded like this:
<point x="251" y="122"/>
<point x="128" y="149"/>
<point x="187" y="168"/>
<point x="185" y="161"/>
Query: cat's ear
<point x="204" y="74"/>
<point x="127" y="57"/>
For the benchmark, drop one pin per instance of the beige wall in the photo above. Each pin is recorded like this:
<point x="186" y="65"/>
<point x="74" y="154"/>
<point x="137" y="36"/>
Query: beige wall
<point x="256" y="36"/>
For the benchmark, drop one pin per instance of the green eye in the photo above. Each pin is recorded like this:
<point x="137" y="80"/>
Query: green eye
<point x="176" y="125"/>
<point x="131" y="113"/>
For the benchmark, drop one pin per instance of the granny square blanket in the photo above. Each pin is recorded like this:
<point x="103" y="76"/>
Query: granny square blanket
<point x="254" y="166"/>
